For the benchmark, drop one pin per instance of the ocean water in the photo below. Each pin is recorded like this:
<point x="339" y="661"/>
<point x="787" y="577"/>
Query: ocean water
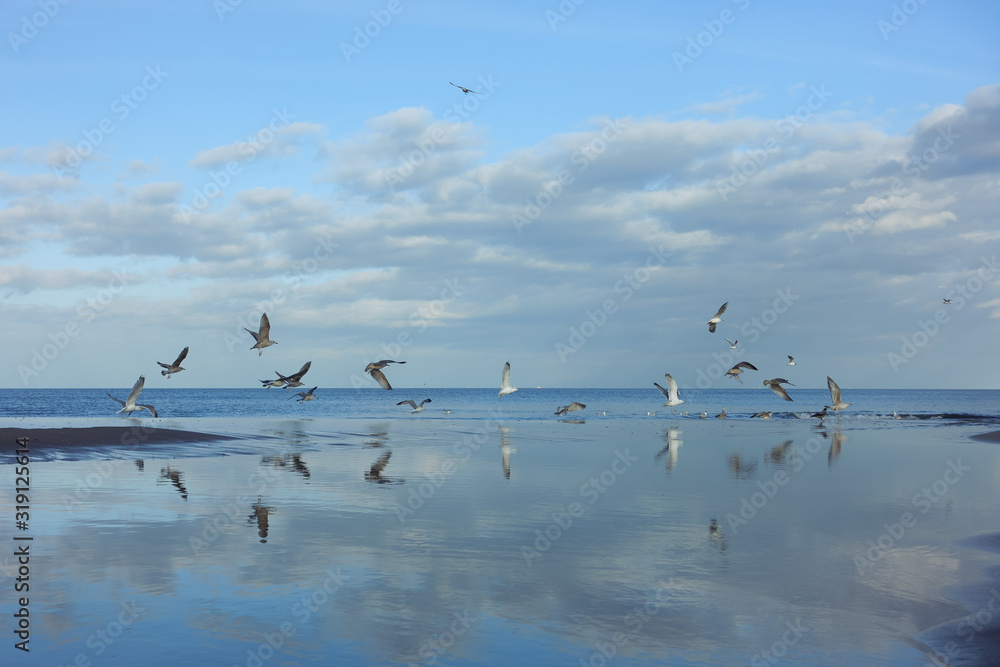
<point x="347" y="530"/>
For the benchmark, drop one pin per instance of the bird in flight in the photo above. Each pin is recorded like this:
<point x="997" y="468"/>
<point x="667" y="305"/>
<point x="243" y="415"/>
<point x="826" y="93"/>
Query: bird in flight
<point x="464" y="89"/>
<point x="378" y="365"/>
<point x="412" y="404"/>
<point x="293" y="380"/>
<point x="373" y="370"/>
<point x="717" y="318"/>
<point x="262" y="335"/>
<point x="738" y="368"/>
<point x="672" y="394"/>
<point x="572" y="407"/>
<point x="306" y="395"/>
<point x="174" y="367"/>
<point x="791" y="360"/>
<point x="775" y="386"/>
<point x="129" y="405"/>
<point x="838" y="404"/>
<point x="505" y="386"/>
<point x="732" y="343"/>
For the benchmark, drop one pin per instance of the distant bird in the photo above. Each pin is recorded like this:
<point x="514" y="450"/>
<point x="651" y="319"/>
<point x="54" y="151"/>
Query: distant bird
<point x="791" y="360"/>
<point x="129" y="405"/>
<point x="947" y="300"/>
<point x="262" y="335"/>
<point x="174" y="367"/>
<point x="650" y="414"/>
<point x="381" y="364"/>
<point x="721" y="415"/>
<point x="703" y="415"/>
<point x="738" y="368"/>
<point x="775" y="386"/>
<point x="572" y="407"/>
<point x="895" y="416"/>
<point x="671" y="393"/>
<point x="447" y="412"/>
<point x="412" y="404"/>
<point x="763" y="415"/>
<point x="838" y="404"/>
<point x="717" y="318"/>
<point x="306" y="395"/>
<point x="464" y="89"/>
<point x="821" y="415"/>
<point x="732" y="343"/>
<point x="505" y="386"/>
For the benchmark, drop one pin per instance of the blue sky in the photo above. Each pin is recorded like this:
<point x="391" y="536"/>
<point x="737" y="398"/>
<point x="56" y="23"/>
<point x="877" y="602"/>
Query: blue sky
<point x="166" y="173"/>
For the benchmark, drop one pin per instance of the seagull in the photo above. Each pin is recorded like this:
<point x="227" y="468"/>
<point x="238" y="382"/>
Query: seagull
<point x="306" y="395"/>
<point x="464" y="89"/>
<point x="763" y="415"/>
<point x="650" y="414"/>
<point x="505" y="387"/>
<point x="673" y="395"/>
<point x="572" y="407"/>
<point x="262" y="335"/>
<point x="174" y="367"/>
<point x="738" y="368"/>
<point x="791" y="360"/>
<point x="721" y="415"/>
<point x="947" y="300"/>
<point x="895" y="416"/>
<point x="838" y="404"/>
<point x="703" y="415"/>
<point x="378" y="365"/>
<point x="732" y="343"/>
<point x="717" y="318"/>
<point x="273" y="383"/>
<point x="775" y="386"/>
<point x="416" y="408"/>
<point x="295" y="379"/>
<point x="379" y="377"/>
<point x="129" y="405"/>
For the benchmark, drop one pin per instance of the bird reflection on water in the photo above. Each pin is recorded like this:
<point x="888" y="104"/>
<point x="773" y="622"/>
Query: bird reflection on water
<point x="174" y="477"/>
<point x="260" y="515"/>
<point x="672" y="436"/>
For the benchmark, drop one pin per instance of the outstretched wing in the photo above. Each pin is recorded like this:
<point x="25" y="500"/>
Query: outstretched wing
<point x="408" y="401"/>
<point x="136" y="389"/>
<point x="745" y="364"/>
<point x="380" y="378"/>
<point x="674" y="393"/>
<point x="662" y="391"/>
<point x="265" y="326"/>
<point x="302" y="371"/>
<point x="780" y="391"/>
<point x="834" y="390"/>
<point x="117" y="400"/>
<point x="180" y="357"/>
<point x="148" y="407"/>
<point x="167" y="366"/>
<point x="505" y="378"/>
<point x="722" y="309"/>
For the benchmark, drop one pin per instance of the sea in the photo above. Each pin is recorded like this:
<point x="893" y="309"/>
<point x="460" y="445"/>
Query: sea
<point x="242" y="527"/>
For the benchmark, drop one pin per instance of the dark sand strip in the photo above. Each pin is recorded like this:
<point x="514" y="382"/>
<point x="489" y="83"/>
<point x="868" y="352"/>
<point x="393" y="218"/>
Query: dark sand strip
<point x="98" y="436"/>
<point x="992" y="436"/>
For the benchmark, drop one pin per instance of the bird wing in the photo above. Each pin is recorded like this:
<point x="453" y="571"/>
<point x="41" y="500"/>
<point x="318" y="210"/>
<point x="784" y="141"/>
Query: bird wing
<point x="252" y="333"/>
<point x="745" y="364"/>
<point x="662" y="391"/>
<point x="711" y="327"/>
<point x="721" y="310"/>
<point x="834" y="390"/>
<point x="265" y="326"/>
<point x="302" y="371"/>
<point x="790" y="357"/>
<point x="148" y="407"/>
<point x="312" y="390"/>
<point x="181" y="357"/>
<point x="426" y="400"/>
<point x="117" y="400"/>
<point x="412" y="404"/>
<point x="380" y="378"/>
<point x="136" y="389"/>
<point x="167" y="366"/>
<point x="505" y="378"/>
<point x="730" y="342"/>
<point x="780" y="391"/>
<point x="674" y="393"/>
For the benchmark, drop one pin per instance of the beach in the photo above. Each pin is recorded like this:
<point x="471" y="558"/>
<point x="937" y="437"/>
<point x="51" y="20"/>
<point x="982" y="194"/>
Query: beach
<point x="493" y="541"/>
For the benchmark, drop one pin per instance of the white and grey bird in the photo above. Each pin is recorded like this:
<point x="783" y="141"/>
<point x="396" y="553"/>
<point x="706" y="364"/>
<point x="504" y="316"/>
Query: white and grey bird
<point x="735" y="371"/>
<point x="262" y="336"/>
<point x="703" y="415"/>
<point x="572" y="407"/>
<point x="761" y="415"/>
<point x="838" y="404"/>
<point x="273" y="383"/>
<point x="947" y="300"/>
<point x="721" y="415"/>
<point x="381" y="364"/>
<point x="671" y="393"/>
<point x="505" y="386"/>
<point x="775" y="386"/>
<point x="791" y="360"/>
<point x="464" y="89"/>
<point x="129" y="405"/>
<point x="732" y="344"/>
<point x="373" y="370"/>
<point x="412" y="404"/>
<point x="716" y="318"/>
<point x="306" y="395"/>
<point x="174" y="367"/>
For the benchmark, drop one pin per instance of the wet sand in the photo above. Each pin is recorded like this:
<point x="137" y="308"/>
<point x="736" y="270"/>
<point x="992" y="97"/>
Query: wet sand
<point x="100" y="436"/>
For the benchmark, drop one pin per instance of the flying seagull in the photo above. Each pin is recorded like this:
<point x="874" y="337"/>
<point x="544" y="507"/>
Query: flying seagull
<point x="295" y="379"/>
<point x="306" y="395"/>
<point x="416" y="408"/>
<point x="738" y="368"/>
<point x="262" y="335"/>
<point x="572" y="407"/>
<point x="775" y="386"/>
<point x="838" y="404"/>
<point x="947" y="300"/>
<point x="505" y="386"/>
<point x="273" y="383"/>
<point x="717" y="318"/>
<point x="378" y="365"/>
<point x="129" y="405"/>
<point x="732" y="343"/>
<point x="672" y="394"/>
<point x="791" y="360"/>
<point x="174" y="367"/>
<point x="464" y="89"/>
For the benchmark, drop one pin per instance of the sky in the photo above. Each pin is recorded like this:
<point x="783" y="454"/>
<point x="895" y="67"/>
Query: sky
<point x="829" y="170"/>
